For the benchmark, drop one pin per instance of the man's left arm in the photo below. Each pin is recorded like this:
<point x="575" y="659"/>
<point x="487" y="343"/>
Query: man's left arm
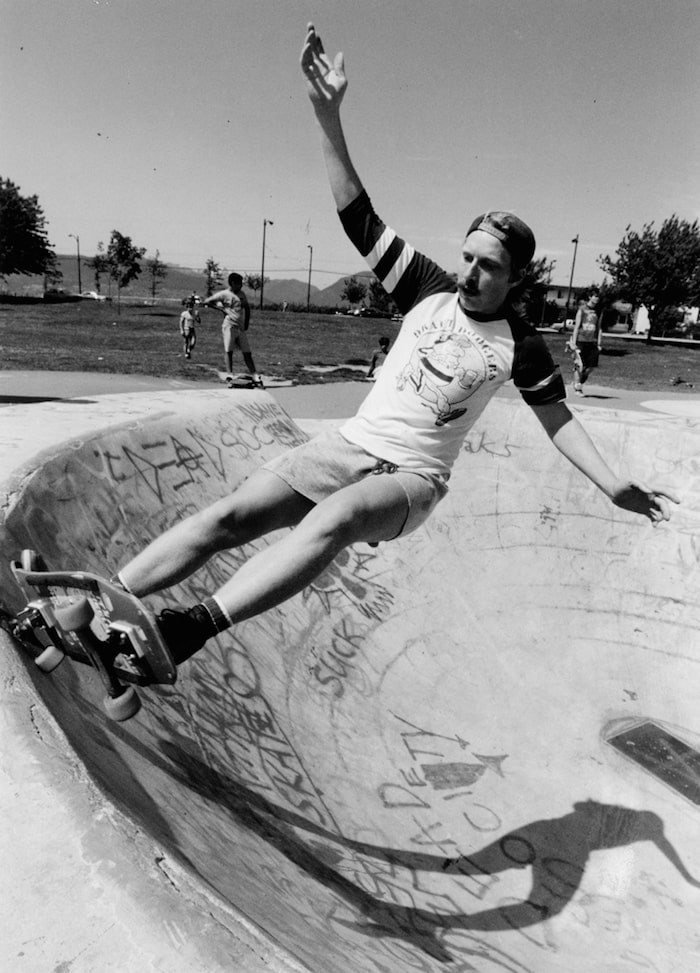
<point x="572" y="440"/>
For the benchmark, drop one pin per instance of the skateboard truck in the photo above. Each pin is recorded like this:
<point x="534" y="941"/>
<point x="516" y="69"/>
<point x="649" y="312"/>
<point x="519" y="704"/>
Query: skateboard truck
<point x="121" y="702"/>
<point x="36" y="625"/>
<point x="91" y="620"/>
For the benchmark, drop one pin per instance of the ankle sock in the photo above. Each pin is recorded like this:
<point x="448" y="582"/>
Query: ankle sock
<point x="117" y="579"/>
<point x="211" y="615"/>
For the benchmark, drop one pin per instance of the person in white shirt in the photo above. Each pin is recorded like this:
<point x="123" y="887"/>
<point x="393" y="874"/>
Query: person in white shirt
<point x="381" y="474"/>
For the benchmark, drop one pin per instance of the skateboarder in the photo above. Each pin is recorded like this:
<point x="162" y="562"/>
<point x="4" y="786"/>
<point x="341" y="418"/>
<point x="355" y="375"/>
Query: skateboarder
<point x="236" y="321"/>
<point x="382" y="473"/>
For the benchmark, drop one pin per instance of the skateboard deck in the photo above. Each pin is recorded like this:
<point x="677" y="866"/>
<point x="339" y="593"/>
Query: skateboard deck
<point x="244" y="381"/>
<point x="94" y="622"/>
<point x="577" y="361"/>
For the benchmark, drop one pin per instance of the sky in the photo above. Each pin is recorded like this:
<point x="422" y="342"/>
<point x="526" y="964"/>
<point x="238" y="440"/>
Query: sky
<point x="185" y="124"/>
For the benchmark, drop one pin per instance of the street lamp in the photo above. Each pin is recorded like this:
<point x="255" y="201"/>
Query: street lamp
<point x="266" y="223"/>
<point x="77" y="240"/>
<point x="571" y="279"/>
<point x="308" y="289"/>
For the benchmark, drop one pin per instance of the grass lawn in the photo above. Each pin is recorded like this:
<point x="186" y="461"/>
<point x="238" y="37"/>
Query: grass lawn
<point x="93" y="337"/>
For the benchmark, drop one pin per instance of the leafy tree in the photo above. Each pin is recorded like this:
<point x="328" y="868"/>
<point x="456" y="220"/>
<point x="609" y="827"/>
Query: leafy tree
<point x="123" y="261"/>
<point x="99" y="265"/>
<point x="354" y="290"/>
<point x="157" y="271"/>
<point x="53" y="275"/>
<point x="379" y="299"/>
<point x="214" y="277"/>
<point x="255" y="281"/>
<point x="531" y="293"/>
<point x="658" y="269"/>
<point x="24" y="246"/>
<point x="608" y="295"/>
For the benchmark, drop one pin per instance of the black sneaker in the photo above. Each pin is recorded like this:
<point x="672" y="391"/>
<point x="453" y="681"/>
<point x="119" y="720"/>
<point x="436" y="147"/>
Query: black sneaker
<point x="184" y="632"/>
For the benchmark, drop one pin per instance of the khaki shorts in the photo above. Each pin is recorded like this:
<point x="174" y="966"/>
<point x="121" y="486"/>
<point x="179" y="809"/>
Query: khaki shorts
<point x="235" y="338"/>
<point x="328" y="462"/>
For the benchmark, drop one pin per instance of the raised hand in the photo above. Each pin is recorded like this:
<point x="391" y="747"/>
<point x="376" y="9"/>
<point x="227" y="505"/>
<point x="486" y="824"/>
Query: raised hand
<point x="325" y="81"/>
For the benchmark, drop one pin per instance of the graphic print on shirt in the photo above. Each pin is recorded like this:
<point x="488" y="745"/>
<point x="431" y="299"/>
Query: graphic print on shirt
<point x="445" y="369"/>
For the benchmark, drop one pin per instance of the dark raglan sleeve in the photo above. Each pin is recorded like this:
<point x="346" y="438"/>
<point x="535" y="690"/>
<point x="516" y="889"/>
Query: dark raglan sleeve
<point x="535" y="373"/>
<point x="405" y="274"/>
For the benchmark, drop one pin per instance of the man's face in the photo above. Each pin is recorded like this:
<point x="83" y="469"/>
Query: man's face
<point x="485" y="276"/>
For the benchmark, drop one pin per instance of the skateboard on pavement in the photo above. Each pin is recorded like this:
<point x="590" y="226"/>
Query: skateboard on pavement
<point x="94" y="622"/>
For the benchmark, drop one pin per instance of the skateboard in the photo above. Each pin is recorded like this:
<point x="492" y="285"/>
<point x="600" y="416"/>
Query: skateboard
<point x="244" y="381"/>
<point x="577" y="361"/>
<point x="93" y="622"/>
<point x="241" y="382"/>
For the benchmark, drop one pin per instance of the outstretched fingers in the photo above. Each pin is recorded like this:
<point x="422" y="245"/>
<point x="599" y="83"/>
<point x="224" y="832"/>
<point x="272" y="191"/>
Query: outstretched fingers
<point x="312" y="53"/>
<point x="660" y="504"/>
<point x="326" y="80"/>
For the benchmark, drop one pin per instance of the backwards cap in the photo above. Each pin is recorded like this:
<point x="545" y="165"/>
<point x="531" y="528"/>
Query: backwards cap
<point x="515" y="235"/>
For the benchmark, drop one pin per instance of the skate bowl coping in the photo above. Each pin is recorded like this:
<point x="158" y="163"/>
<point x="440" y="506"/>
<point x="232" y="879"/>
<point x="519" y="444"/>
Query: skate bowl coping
<point x="413" y="762"/>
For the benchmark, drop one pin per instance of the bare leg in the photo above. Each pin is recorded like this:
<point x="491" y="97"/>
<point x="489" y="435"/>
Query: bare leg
<point x="249" y="363"/>
<point x="372" y="510"/>
<point x="261" y="504"/>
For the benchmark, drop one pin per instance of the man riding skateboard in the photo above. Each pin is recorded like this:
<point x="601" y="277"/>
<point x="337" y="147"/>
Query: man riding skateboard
<point x="380" y="475"/>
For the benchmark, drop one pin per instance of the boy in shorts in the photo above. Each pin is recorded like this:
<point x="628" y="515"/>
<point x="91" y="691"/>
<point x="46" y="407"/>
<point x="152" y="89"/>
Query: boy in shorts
<point x="381" y="474"/>
<point x="236" y="321"/>
<point x="188" y="321"/>
<point x="586" y="341"/>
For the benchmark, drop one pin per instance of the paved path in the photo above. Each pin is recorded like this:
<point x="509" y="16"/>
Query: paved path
<point x="333" y="400"/>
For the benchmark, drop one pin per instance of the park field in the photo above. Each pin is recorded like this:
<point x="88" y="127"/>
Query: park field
<point x="87" y="336"/>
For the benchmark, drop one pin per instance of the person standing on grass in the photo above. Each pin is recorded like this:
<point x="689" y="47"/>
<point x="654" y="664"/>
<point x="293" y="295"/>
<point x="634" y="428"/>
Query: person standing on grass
<point x="381" y="474"/>
<point x="586" y="341"/>
<point x="234" y="326"/>
<point x="188" y="321"/>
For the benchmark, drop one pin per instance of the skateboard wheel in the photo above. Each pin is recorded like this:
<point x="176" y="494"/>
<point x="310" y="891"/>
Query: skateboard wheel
<point x="31" y="561"/>
<point x="49" y="659"/>
<point x="74" y="616"/>
<point x="124" y="706"/>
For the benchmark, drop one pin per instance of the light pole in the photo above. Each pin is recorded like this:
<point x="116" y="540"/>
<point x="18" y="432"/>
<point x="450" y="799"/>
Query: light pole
<point x="571" y="279"/>
<point x="308" y="288"/>
<point x="266" y="223"/>
<point x="77" y="241"/>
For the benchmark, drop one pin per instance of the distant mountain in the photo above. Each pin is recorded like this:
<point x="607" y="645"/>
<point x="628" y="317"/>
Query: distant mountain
<point x="179" y="282"/>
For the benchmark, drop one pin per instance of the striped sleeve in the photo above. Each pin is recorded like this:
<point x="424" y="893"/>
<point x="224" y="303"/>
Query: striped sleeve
<point x="535" y="374"/>
<point x="408" y="276"/>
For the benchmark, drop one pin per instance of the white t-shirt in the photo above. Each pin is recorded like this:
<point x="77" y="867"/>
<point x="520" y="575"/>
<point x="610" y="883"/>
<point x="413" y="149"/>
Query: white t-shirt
<point x="444" y="366"/>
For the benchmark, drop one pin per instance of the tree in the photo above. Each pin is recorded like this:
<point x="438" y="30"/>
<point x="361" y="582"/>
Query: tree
<point x="123" y="261"/>
<point x="24" y="246"/>
<point x="379" y="299"/>
<point x="658" y="269"/>
<point x="531" y="293"/>
<point x="212" y="272"/>
<point x="157" y="271"/>
<point x="354" y="290"/>
<point x="99" y="265"/>
<point x="255" y="281"/>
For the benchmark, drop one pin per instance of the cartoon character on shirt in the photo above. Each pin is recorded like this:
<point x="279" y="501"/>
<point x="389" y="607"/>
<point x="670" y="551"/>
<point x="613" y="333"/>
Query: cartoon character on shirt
<point x="445" y="369"/>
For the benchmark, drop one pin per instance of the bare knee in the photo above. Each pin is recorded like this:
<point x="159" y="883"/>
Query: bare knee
<point x="260" y="505"/>
<point x="333" y="524"/>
